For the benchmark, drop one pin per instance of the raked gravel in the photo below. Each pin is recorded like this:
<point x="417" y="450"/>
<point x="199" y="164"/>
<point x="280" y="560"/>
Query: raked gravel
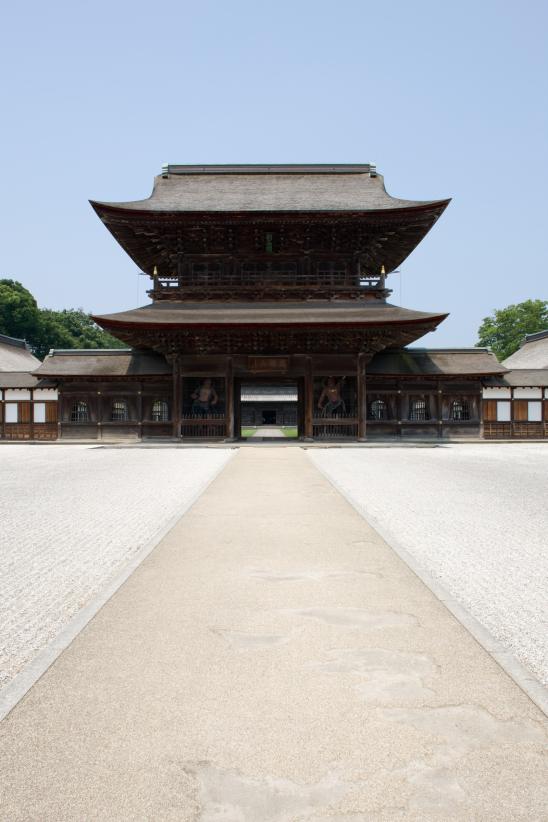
<point x="71" y="516"/>
<point x="474" y="516"/>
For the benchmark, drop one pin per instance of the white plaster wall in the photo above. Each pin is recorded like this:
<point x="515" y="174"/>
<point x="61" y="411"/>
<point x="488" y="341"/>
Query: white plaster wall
<point x="494" y="393"/>
<point x="527" y="393"/>
<point x="16" y="394"/>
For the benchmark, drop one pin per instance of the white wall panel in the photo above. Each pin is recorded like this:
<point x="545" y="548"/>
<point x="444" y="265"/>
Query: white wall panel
<point x="45" y="394"/>
<point x="496" y="393"/>
<point x="11" y="412"/>
<point x="527" y="393"/>
<point x="534" y="412"/>
<point x="39" y="412"/>
<point x="503" y="411"/>
<point x="17" y="394"/>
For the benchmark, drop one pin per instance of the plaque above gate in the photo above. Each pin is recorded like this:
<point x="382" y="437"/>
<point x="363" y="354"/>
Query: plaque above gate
<point x="268" y="365"/>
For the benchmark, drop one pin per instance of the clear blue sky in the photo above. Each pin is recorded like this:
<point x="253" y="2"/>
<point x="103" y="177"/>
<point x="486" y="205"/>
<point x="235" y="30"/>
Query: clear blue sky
<point x="449" y="99"/>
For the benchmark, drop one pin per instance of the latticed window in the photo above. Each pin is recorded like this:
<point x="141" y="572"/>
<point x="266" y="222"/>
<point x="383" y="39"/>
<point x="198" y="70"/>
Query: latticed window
<point x="119" y="411"/>
<point x="331" y="272"/>
<point x="160" y="411"/>
<point x="460" y="410"/>
<point x="378" y="410"/>
<point x="418" y="410"/>
<point x="206" y="272"/>
<point x="79" y="411"/>
<point x="275" y="270"/>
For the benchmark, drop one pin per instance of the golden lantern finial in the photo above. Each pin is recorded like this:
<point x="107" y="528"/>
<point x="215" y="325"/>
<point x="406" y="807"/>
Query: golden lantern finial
<point x="155" y="271"/>
<point x="382" y="270"/>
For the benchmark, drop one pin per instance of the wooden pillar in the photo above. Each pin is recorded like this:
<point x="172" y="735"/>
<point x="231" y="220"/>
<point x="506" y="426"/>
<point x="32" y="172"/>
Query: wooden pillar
<point x="362" y="399"/>
<point x="439" y="409"/>
<point x="237" y="409"/>
<point x="140" y="410"/>
<point x="31" y="432"/>
<point x="308" y="399"/>
<point x="229" y="398"/>
<point x="99" y="413"/>
<point x="60" y="415"/>
<point x="176" y="413"/>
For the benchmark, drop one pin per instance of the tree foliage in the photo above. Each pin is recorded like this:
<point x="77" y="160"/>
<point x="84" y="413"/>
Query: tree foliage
<point x="505" y="329"/>
<point x="44" y="328"/>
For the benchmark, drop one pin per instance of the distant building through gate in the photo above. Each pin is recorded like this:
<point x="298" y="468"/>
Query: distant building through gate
<point x="269" y="404"/>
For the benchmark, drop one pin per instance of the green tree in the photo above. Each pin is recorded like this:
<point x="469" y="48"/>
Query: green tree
<point x="19" y="312"/>
<point x="505" y="329"/>
<point x="44" y="328"/>
<point x="70" y="328"/>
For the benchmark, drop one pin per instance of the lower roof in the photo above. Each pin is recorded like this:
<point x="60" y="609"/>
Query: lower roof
<point x="15" y="355"/>
<point x="532" y="354"/>
<point x="435" y="361"/>
<point x="18" y="379"/>
<point x="101" y="362"/>
<point x="395" y="362"/>
<point x="312" y="312"/>
<point x="523" y="377"/>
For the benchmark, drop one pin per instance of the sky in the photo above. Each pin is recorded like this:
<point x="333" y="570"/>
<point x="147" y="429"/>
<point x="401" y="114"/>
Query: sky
<point x="448" y="99"/>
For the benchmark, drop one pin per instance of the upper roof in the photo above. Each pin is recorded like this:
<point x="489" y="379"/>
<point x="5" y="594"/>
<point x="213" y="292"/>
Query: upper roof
<point x="15" y="355"/>
<point x="267" y="188"/>
<point x="533" y="352"/>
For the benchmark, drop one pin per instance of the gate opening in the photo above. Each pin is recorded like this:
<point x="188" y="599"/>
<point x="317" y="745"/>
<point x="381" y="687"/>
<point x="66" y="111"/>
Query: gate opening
<point x="269" y="409"/>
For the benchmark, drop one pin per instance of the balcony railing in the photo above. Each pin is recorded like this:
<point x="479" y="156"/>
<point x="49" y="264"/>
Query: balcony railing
<point x="273" y="279"/>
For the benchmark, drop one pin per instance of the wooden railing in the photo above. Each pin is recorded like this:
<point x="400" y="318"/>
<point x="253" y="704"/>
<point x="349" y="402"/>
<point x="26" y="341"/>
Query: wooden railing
<point x="343" y="426"/>
<point x="515" y="430"/>
<point x="195" y="426"/>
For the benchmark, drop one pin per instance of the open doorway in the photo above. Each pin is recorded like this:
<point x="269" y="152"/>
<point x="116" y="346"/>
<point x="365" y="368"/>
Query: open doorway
<point x="268" y="409"/>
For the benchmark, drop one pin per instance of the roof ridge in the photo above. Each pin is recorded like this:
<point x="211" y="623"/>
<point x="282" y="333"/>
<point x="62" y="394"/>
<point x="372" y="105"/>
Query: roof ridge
<point x="272" y="168"/>
<point x="17" y="342"/>
<point x="80" y="351"/>
<point x="536" y="335"/>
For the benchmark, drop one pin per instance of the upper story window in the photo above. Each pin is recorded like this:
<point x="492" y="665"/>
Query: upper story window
<point x="460" y="410"/>
<point x="119" y="411"/>
<point x="160" y="411"/>
<point x="418" y="410"/>
<point x="378" y="410"/>
<point x="79" y="411"/>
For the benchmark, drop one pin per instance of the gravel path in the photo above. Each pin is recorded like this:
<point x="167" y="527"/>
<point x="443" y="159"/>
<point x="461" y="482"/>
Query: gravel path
<point x="71" y="517"/>
<point x="475" y="517"/>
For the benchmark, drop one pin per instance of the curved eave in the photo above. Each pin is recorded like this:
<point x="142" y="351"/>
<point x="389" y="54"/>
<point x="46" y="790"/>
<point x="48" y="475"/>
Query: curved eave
<point x="253" y="317"/>
<point x="144" y="234"/>
<point x="138" y="210"/>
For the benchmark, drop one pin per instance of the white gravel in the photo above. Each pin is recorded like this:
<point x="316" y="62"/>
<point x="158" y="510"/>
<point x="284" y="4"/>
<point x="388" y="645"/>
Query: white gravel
<point x="71" y="516"/>
<point x="475" y="517"/>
